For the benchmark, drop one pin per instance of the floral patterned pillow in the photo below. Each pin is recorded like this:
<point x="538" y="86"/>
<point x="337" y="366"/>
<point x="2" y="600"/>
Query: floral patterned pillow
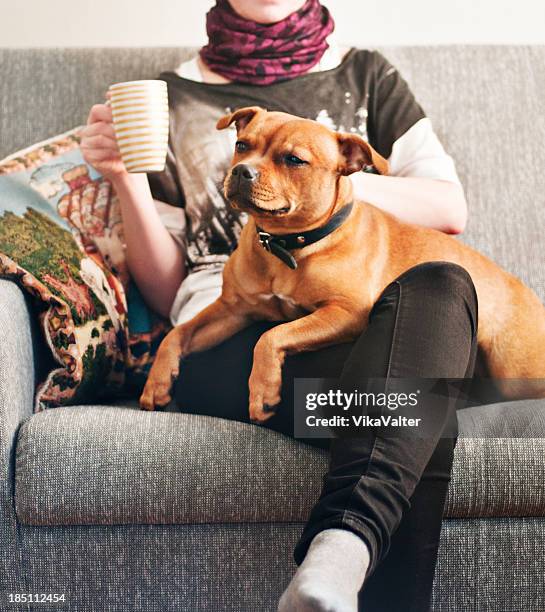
<point x="61" y="239"/>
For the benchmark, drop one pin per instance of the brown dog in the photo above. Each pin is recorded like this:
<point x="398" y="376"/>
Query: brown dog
<point x="290" y="175"/>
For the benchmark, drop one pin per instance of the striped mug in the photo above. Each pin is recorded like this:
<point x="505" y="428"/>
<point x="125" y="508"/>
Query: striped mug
<point x="140" y="117"/>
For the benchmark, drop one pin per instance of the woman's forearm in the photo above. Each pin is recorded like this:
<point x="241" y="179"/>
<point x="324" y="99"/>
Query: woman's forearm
<point x="423" y="201"/>
<point x="155" y="260"/>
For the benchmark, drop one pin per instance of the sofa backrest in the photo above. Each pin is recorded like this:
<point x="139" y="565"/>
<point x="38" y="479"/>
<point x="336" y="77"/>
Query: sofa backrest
<point x="486" y="103"/>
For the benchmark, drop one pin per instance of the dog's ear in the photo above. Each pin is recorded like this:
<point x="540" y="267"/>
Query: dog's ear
<point x="241" y="117"/>
<point x="355" y="153"/>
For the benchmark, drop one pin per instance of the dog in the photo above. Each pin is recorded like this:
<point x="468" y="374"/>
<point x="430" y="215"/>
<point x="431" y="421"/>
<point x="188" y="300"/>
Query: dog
<point x="312" y="257"/>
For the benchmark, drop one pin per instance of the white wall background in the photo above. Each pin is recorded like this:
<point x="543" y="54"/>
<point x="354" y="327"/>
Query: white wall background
<point x="73" y="23"/>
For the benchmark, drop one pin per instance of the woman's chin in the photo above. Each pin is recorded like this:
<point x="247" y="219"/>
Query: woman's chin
<point x="265" y="11"/>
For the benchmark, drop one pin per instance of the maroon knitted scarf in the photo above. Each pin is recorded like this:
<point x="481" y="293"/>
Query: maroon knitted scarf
<point x="248" y="52"/>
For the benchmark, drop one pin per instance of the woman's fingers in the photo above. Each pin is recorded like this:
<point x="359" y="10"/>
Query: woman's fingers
<point x="99" y="144"/>
<point x="100" y="112"/>
<point x="98" y="128"/>
<point x="98" y="155"/>
<point x="99" y="141"/>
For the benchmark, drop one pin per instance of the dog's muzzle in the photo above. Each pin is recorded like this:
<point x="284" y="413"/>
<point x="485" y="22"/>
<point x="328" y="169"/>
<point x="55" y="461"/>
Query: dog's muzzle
<point x="244" y="175"/>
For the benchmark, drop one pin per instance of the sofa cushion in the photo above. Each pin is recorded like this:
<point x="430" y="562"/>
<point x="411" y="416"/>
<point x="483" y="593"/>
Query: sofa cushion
<point x="118" y="465"/>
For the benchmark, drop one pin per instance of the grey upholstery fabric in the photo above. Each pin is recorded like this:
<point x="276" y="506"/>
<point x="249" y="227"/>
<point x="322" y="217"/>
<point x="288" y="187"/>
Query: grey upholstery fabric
<point x="108" y="465"/>
<point x="490" y="565"/>
<point x="485" y="565"/>
<point x="16" y="391"/>
<point x="485" y="103"/>
<point x="87" y="465"/>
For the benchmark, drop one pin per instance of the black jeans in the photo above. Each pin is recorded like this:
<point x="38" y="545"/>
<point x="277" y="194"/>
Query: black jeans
<point x="389" y="490"/>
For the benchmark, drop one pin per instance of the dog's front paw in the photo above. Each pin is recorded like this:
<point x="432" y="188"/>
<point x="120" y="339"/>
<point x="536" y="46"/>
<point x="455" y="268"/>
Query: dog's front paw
<point x="163" y="373"/>
<point x="156" y="392"/>
<point x="261" y="411"/>
<point x="264" y="395"/>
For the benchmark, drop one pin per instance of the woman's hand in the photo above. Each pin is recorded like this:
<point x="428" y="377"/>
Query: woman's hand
<point x="99" y="144"/>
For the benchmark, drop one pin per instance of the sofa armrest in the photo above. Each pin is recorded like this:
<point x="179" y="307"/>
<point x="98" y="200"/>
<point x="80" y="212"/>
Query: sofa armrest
<point x="17" y="366"/>
<point x="19" y="348"/>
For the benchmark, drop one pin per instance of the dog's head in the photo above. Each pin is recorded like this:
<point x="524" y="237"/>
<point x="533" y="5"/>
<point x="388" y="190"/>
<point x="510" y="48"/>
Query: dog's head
<point x="287" y="170"/>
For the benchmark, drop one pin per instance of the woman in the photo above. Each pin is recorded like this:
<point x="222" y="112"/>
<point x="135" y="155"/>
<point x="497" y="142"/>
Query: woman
<point x="379" y="515"/>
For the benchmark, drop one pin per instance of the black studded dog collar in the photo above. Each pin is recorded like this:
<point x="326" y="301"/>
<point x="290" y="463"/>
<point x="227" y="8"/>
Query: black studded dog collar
<point x="280" y="245"/>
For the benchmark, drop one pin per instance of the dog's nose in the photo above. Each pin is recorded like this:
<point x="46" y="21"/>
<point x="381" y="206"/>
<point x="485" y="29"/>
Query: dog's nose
<point x="245" y="172"/>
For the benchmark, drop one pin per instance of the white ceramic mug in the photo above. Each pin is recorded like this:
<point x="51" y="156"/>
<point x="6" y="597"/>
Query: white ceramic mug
<point x="140" y="117"/>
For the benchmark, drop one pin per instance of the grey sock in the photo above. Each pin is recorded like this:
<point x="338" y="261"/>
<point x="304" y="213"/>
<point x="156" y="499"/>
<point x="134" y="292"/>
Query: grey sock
<point x="330" y="576"/>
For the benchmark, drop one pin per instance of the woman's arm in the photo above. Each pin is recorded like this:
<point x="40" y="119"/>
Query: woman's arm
<point x="156" y="262"/>
<point x="423" y="201"/>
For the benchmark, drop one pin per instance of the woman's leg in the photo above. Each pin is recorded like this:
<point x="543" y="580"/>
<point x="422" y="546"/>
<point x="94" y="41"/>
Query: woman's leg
<point x="423" y="326"/>
<point x="432" y="294"/>
<point x="403" y="581"/>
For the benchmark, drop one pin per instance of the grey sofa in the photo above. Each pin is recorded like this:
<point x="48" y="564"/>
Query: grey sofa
<point x="124" y="510"/>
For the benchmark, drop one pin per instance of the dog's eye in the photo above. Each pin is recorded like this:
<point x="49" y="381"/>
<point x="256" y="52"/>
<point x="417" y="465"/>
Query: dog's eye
<point x="293" y="160"/>
<point x="241" y="146"/>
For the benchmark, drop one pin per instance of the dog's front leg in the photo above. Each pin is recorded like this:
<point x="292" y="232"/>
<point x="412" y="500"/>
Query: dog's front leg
<point x="214" y="324"/>
<point x="330" y="324"/>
